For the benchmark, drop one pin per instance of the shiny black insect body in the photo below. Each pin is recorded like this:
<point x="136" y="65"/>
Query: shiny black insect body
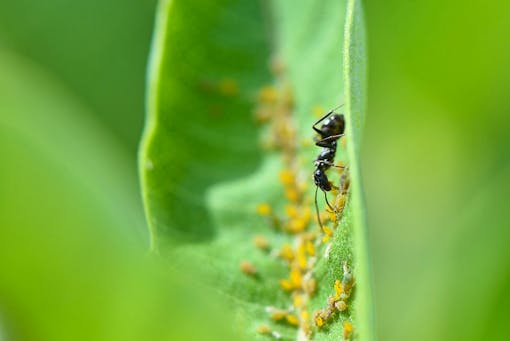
<point x="330" y="131"/>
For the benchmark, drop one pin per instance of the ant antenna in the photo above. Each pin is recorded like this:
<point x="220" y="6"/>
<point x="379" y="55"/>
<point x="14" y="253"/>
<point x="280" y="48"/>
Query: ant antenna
<point x="338" y="107"/>
<point x="317" y="209"/>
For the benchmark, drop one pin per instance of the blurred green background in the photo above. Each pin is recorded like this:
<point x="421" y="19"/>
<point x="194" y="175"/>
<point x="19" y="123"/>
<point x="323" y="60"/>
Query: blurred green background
<point x="436" y="168"/>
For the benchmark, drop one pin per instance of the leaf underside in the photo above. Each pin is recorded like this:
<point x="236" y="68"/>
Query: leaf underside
<point x="203" y="168"/>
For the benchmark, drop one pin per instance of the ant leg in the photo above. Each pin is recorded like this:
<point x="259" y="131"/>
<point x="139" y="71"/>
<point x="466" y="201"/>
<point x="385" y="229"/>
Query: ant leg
<point x="321" y="142"/>
<point x="327" y="202"/>
<point x="317" y="209"/>
<point x="333" y="165"/>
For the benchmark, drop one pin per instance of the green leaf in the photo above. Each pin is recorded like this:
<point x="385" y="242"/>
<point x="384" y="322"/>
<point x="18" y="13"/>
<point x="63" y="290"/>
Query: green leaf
<point x="71" y="261"/>
<point x="203" y="170"/>
<point x="93" y="47"/>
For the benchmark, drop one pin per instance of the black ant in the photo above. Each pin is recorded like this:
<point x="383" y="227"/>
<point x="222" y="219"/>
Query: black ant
<point x="330" y="131"/>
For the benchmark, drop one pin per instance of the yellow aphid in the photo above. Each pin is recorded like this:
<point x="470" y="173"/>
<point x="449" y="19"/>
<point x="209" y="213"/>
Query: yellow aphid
<point x="347" y="330"/>
<point x="287" y="177"/>
<point x="268" y="94"/>
<point x="297" y="300"/>
<point x="319" y="321"/>
<point x="325" y="215"/>
<point x="292" y="194"/>
<point x="340" y="203"/>
<point x="277" y="66"/>
<point x="296" y="278"/>
<point x="264" y="209"/>
<point x="327" y="234"/>
<point x="293" y="320"/>
<point x="309" y="286"/>
<point x="306" y="215"/>
<point x="305" y="315"/>
<point x="263" y="329"/>
<point x="328" y="231"/>
<point x="345" y="182"/>
<point x="228" y="87"/>
<point x="287" y="96"/>
<point x="303" y="187"/>
<point x="343" y="142"/>
<point x="291" y="211"/>
<point x="318" y="111"/>
<point x="261" y="242"/>
<point x="248" y="268"/>
<point x="310" y="249"/>
<point x="332" y="216"/>
<point x="347" y="280"/>
<point x="276" y="314"/>
<point x="341" y="305"/>
<point x="302" y="261"/>
<point x="286" y="284"/>
<point x="296" y="225"/>
<point x="263" y="114"/>
<point x="338" y="289"/>
<point x="309" y="236"/>
<point x="286" y="252"/>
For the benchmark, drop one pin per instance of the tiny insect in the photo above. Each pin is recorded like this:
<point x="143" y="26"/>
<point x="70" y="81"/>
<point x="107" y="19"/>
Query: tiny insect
<point x="329" y="133"/>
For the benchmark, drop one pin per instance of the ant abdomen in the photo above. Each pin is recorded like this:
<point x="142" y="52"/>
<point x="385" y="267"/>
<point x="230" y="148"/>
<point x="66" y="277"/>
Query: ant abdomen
<point x="321" y="180"/>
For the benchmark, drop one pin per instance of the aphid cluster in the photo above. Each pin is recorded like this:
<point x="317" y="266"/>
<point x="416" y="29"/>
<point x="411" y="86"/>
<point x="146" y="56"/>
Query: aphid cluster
<point x="300" y="254"/>
<point x="338" y="301"/>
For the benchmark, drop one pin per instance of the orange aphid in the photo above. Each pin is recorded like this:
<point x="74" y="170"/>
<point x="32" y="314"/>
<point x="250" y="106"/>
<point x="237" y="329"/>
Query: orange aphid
<point x="277" y="66"/>
<point x="309" y="286"/>
<point x="248" y="268"/>
<point x="343" y="142"/>
<point x="228" y="87"/>
<point x="261" y="242"/>
<point x="263" y="114"/>
<point x="347" y="330"/>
